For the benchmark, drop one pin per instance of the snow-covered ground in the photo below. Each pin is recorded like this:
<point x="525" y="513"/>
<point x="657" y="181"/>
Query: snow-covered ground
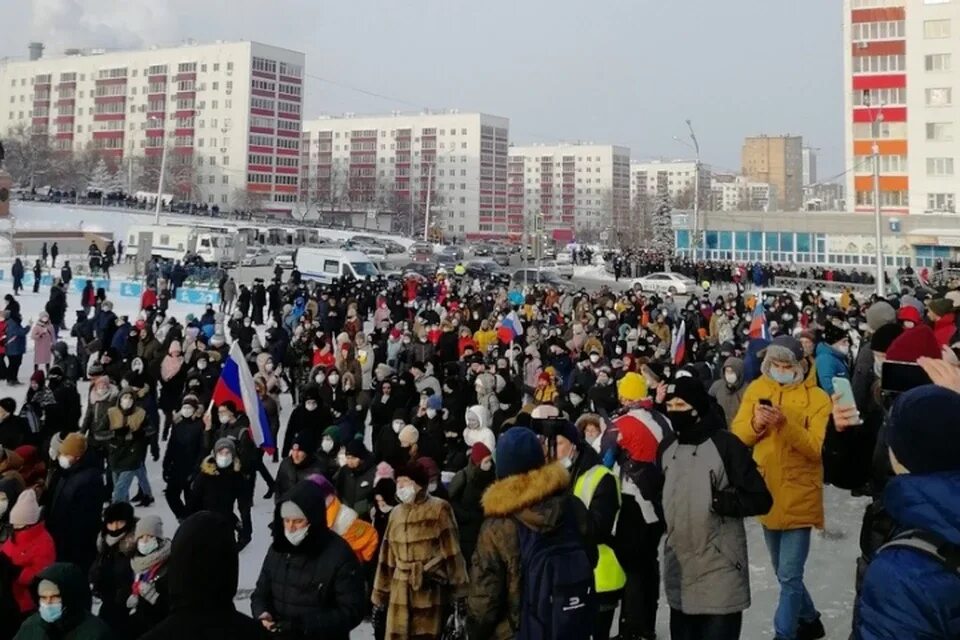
<point x="830" y="569"/>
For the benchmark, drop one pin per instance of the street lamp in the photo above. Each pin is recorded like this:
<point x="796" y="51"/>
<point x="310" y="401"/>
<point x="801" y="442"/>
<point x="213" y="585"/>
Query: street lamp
<point x="695" y="236"/>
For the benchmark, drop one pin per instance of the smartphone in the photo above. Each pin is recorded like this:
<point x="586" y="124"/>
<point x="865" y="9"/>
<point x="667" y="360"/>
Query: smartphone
<point x="897" y="377"/>
<point x="763" y="402"/>
<point x="842" y="386"/>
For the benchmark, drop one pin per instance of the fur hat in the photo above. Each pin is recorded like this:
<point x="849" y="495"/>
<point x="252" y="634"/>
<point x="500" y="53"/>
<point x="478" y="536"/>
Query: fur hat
<point x="833" y="334"/>
<point x="884" y="336"/>
<point x="119" y="512"/>
<point x="409" y="435"/>
<point x="415" y="472"/>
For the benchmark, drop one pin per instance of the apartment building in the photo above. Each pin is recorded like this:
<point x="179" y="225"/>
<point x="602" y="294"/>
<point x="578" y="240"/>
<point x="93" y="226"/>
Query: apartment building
<point x="777" y="161"/>
<point x="456" y="161"/>
<point x="572" y="188"/>
<point x="227" y="113"/>
<point x="730" y="192"/>
<point x="674" y="180"/>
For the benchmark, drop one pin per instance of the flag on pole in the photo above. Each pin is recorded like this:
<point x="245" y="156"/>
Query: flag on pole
<point x="758" y="323"/>
<point x="678" y="345"/>
<point x="510" y="328"/>
<point x="236" y="384"/>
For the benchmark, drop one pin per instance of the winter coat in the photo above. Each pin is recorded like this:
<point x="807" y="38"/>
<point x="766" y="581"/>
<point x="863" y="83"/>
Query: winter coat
<point x="73" y="505"/>
<point x="789" y="457"/>
<point x="77" y="623"/>
<point x="906" y="593"/>
<point x="359" y="534"/>
<point x="728" y="397"/>
<point x="215" y="489"/>
<point x="416" y="599"/>
<point x="111" y="578"/>
<point x="42" y="336"/>
<point x="14" y="431"/>
<point x="355" y="487"/>
<point x="202" y="577"/>
<point x="150" y="597"/>
<point x="128" y="442"/>
<point x="945" y="329"/>
<point x="710" y="484"/>
<point x="290" y="474"/>
<point x="301" y="420"/>
<point x="181" y="461"/>
<point x="16" y="338"/>
<point x="466" y="490"/>
<point x="317" y="585"/>
<point x="537" y="499"/>
<point x="31" y="550"/>
<point x="830" y="364"/>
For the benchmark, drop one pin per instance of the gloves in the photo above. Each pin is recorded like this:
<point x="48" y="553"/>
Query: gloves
<point x="149" y="592"/>
<point x="378" y="617"/>
<point x="285" y="628"/>
<point x="723" y="502"/>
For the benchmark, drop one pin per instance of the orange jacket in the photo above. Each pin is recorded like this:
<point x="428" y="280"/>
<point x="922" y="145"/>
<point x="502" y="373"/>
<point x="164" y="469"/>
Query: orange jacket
<point x="359" y="534"/>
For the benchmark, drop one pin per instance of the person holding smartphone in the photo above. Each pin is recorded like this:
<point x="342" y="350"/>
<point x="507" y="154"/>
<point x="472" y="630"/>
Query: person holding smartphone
<point x="785" y="421"/>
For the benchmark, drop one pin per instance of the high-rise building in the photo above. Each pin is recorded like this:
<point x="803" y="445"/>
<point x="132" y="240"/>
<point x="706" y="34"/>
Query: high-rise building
<point x="809" y="165"/>
<point x="901" y="60"/>
<point x="730" y="192"/>
<point x="229" y="114"/>
<point x="573" y="188"/>
<point x="777" y="161"/>
<point x="394" y="161"/>
<point x="674" y="180"/>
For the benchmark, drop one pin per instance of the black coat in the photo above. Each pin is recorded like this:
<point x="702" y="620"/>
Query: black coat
<point x="73" y="505"/>
<point x="14" y="431"/>
<point x="202" y="582"/>
<point x="184" y="452"/>
<point x="466" y="489"/>
<point x="216" y="490"/>
<point x="355" y="487"/>
<point x="112" y="578"/>
<point x="301" y="420"/>
<point x="317" y="587"/>
<point x="289" y="474"/>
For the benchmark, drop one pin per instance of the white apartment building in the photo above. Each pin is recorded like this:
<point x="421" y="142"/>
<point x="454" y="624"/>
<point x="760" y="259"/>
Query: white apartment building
<point x="672" y="179"/>
<point x="809" y="158"/>
<point x="736" y="193"/>
<point x="228" y="113"/>
<point x="395" y="160"/>
<point x="573" y="187"/>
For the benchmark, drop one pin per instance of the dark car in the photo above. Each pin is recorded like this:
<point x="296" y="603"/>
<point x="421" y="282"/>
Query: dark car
<point x="501" y="255"/>
<point x="488" y="271"/>
<point x="482" y="250"/>
<point x="425" y="269"/>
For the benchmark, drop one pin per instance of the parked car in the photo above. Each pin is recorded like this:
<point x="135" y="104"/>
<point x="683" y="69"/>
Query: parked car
<point x="488" y="270"/>
<point x="422" y="269"/>
<point x="564" y="270"/>
<point x="532" y="276"/>
<point x="501" y="255"/>
<point x="668" y="282"/>
<point x="420" y="250"/>
<point x="564" y="257"/>
<point x="257" y="257"/>
<point x="452" y="251"/>
<point x="482" y="250"/>
<point x="392" y="246"/>
<point x="285" y="260"/>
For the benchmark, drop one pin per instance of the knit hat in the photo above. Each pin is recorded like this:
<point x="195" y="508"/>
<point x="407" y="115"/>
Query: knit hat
<point x="914" y="343"/>
<point x="691" y="391"/>
<point x="383" y="472"/>
<point x="119" y="512"/>
<point x="305" y="440"/>
<point x="435" y="402"/>
<point x="884" y="336"/>
<point x="429" y="466"/>
<point x="226" y="443"/>
<point x="911" y="301"/>
<point x="38" y="377"/>
<point x="326" y="489"/>
<point x="879" y="314"/>
<point x="290" y="509"/>
<point x="544" y="377"/>
<point x="833" y="334"/>
<point x="518" y="451"/>
<point x="409" y="435"/>
<point x="26" y="512"/>
<point x="415" y="472"/>
<point x="908" y="313"/>
<point x="356" y="449"/>
<point x="478" y="452"/>
<point x="940" y="306"/>
<point x="924" y="432"/>
<point x="569" y="431"/>
<point x="954" y="297"/>
<point x="632" y="387"/>
<point x="9" y="405"/>
<point x="332" y="432"/>
<point x="149" y="526"/>
<point x="74" y="445"/>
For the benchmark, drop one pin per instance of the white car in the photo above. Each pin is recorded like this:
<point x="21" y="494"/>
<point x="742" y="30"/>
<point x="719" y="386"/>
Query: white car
<point x="257" y="257"/>
<point x="285" y="260"/>
<point x="668" y="282"/>
<point x="563" y="269"/>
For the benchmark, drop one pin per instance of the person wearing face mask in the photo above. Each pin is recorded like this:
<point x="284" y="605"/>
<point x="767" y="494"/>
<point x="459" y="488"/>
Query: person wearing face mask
<point x="27" y="552"/>
<point x="218" y="486"/>
<point x="706" y="541"/>
<point x="111" y="576"/>
<point x="466" y="490"/>
<point x="384" y="500"/>
<point x="235" y="426"/>
<point x="387" y="447"/>
<point x="602" y="396"/>
<point x="574" y="404"/>
<point x="183" y="455"/>
<point x="63" y="596"/>
<point x="421" y="570"/>
<point x="173" y="376"/>
<point x="328" y="454"/>
<point x="382" y="407"/>
<point x="785" y="423"/>
<point x="73" y="502"/>
<point x="354" y="480"/>
<point x="127" y="447"/>
<point x="832" y="356"/>
<point x="310" y="584"/>
<point x="307" y="415"/>
<point x="729" y="389"/>
<point x="149" y="598"/>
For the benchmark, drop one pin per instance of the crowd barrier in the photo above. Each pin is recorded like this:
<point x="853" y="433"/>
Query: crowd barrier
<point x="125" y="288"/>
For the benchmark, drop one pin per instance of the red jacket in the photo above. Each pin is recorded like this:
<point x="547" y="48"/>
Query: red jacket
<point x="944" y="329"/>
<point x="148" y="299"/>
<point x="32" y="550"/>
<point x="321" y="359"/>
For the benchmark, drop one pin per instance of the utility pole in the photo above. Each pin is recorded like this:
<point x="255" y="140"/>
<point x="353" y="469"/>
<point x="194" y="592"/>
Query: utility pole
<point x="696" y="193"/>
<point x="163" y="167"/>
<point x="130" y="170"/>
<point x="878" y="219"/>
<point x="426" y="216"/>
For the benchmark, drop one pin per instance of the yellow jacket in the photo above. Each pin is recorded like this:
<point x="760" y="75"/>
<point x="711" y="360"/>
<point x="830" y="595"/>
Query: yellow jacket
<point x="484" y="339"/>
<point x="789" y="458"/>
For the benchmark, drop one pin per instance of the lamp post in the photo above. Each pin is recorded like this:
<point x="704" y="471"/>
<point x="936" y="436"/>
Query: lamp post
<point x="878" y="219"/>
<point x="695" y="231"/>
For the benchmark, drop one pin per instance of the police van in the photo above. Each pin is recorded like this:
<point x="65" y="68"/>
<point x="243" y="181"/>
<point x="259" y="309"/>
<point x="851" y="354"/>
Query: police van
<point x="323" y="265"/>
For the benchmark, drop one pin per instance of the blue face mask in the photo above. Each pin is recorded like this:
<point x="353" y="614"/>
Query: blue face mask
<point x="783" y="377"/>
<point x="52" y="612"/>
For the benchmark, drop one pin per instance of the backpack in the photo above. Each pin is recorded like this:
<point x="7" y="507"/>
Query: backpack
<point x="557" y="585"/>
<point x="930" y="545"/>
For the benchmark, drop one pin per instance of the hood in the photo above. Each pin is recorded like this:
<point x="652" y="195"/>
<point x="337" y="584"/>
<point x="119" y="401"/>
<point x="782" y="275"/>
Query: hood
<point x="11" y="486"/>
<point x="926" y="502"/>
<point x="482" y="415"/>
<point x="520" y="493"/>
<point x="203" y="566"/>
<point x="307" y="495"/>
<point x="73" y="590"/>
<point x="737" y="365"/>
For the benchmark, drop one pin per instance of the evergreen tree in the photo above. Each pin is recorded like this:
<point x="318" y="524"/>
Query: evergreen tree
<point x="662" y="224"/>
<point x="101" y="178"/>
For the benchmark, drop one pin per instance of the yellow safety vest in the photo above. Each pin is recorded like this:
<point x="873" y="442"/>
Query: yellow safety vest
<point x="608" y="574"/>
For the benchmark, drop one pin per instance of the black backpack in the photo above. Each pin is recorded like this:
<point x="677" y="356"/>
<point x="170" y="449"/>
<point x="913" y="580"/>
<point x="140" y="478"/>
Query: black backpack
<point x="557" y="585"/>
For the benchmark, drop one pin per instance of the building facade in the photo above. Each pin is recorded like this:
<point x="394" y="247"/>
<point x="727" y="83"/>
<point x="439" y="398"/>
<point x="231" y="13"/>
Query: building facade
<point x="777" y="161"/>
<point x="228" y="115"/>
<point x="730" y="192"/>
<point x="576" y="190"/>
<point x="900" y="74"/>
<point x="455" y="161"/>
<point x="671" y="179"/>
<point x="809" y="165"/>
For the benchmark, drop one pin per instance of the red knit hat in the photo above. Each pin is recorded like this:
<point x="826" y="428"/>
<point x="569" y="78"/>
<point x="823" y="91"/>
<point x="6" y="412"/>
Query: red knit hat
<point x="914" y="343"/>
<point x="544" y="377"/>
<point x="478" y="453"/>
<point x="910" y="313"/>
<point x="640" y="435"/>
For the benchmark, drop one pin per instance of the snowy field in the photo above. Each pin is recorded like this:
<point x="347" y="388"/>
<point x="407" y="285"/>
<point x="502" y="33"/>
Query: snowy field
<point x="830" y="569"/>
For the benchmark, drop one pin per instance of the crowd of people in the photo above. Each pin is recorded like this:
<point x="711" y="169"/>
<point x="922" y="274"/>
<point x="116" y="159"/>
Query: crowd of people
<point x="459" y="460"/>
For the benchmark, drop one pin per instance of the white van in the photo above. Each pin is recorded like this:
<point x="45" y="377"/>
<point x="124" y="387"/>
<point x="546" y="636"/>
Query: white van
<point x="323" y="265"/>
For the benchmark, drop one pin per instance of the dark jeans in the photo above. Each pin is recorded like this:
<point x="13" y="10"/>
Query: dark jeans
<point x="13" y="367"/>
<point x="705" y="627"/>
<point x="602" y="623"/>
<point x="175" y="494"/>
<point x="245" y="503"/>
<point x="638" y="613"/>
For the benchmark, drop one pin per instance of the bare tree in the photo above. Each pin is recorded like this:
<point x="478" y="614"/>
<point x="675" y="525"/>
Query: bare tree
<point x="29" y="157"/>
<point x="246" y="200"/>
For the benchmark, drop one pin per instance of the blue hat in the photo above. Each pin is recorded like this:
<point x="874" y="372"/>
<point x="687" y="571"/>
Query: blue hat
<point x="434" y="402"/>
<point x="924" y="432"/>
<point x="518" y="451"/>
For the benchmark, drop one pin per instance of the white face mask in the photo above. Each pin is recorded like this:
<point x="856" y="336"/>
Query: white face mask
<point x="296" y="537"/>
<point x="126" y="403"/>
<point x="202" y="364"/>
<point x="730" y="377"/>
<point x="431" y="487"/>
<point x="431" y="413"/>
<point x="146" y="546"/>
<point x="319" y="378"/>
<point x="334" y="379"/>
<point x="327" y="445"/>
<point x="65" y="462"/>
<point x="877" y="367"/>
<point x="342" y="459"/>
<point x="843" y="349"/>
<point x="224" y="461"/>
<point x="594" y="358"/>
<point x="4" y="504"/>
<point x="406" y="494"/>
<point x="310" y="406"/>
<point x="186" y="411"/>
<point x="575" y="399"/>
<point x="486" y="465"/>
<point x="397" y="426"/>
<point x="567" y="463"/>
<point x="224" y="418"/>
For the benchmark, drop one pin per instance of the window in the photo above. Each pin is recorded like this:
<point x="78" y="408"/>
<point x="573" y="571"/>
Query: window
<point x="941" y="202"/>
<point x="936" y="29"/>
<point x="939" y="167"/>
<point x="880" y="64"/>
<point x="939" y="97"/>
<point x="940" y="131"/>
<point x="937" y="62"/>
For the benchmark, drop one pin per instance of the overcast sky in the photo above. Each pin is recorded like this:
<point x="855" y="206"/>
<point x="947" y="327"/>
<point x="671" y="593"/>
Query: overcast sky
<point x="612" y="71"/>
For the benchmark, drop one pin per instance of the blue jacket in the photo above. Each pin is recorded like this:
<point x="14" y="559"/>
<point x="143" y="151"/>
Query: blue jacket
<point x="905" y="593"/>
<point x="830" y="364"/>
<point x="16" y="338"/>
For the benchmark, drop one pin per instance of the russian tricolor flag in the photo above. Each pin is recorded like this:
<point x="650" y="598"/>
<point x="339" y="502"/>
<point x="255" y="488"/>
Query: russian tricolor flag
<point x="236" y="384"/>
<point x="678" y="345"/>
<point x="758" y="324"/>
<point x="510" y="328"/>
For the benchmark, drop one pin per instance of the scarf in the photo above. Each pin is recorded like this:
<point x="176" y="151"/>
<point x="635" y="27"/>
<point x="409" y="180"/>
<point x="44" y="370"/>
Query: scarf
<point x="170" y="366"/>
<point x="145" y="570"/>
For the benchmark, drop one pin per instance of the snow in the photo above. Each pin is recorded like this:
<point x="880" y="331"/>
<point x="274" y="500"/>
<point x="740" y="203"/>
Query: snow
<point x="830" y="569"/>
